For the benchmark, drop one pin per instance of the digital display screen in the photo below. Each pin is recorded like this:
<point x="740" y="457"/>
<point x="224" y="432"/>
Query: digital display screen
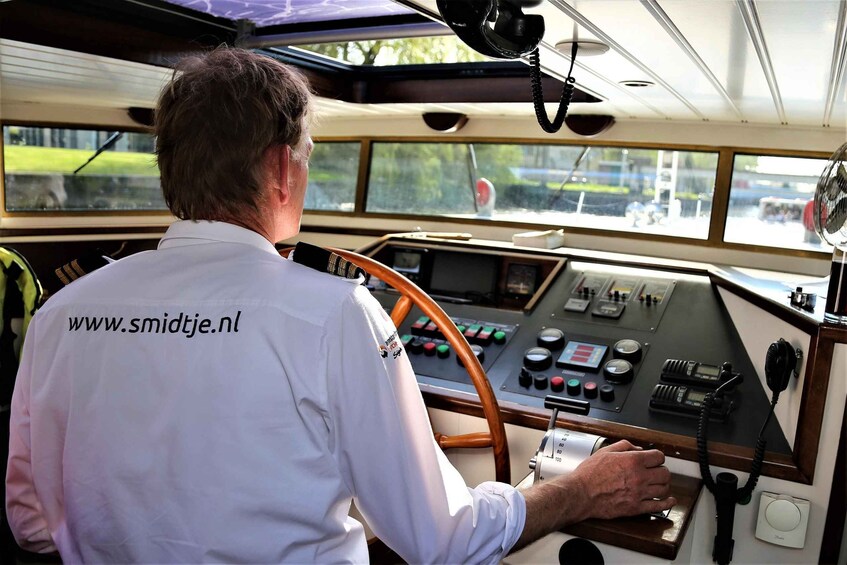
<point x="521" y="280"/>
<point x="464" y="274"/>
<point x="407" y="261"/>
<point x="695" y="396"/>
<point x="582" y="355"/>
<point x="709" y="370"/>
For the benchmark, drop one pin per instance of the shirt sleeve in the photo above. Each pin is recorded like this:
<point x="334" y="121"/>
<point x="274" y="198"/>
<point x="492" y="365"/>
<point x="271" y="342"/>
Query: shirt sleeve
<point x="23" y="509"/>
<point x="410" y="494"/>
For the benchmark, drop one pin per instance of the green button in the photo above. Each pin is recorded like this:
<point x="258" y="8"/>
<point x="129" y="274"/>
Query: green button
<point x="573" y="382"/>
<point x="443" y="350"/>
<point x="405" y="339"/>
<point x="462" y="328"/>
<point x="500" y="337"/>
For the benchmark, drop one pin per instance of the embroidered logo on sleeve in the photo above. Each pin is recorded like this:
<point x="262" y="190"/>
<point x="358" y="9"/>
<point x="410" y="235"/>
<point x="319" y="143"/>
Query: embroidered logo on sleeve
<point x="391" y="347"/>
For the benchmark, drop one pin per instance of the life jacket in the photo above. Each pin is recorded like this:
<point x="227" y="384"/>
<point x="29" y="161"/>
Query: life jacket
<point x="21" y="295"/>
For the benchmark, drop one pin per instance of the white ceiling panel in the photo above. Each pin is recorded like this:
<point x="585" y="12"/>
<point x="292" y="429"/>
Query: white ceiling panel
<point x="698" y="53"/>
<point x="38" y="74"/>
<point x="701" y="57"/>
<point x="716" y="31"/>
<point x="638" y="36"/>
<point x="800" y="38"/>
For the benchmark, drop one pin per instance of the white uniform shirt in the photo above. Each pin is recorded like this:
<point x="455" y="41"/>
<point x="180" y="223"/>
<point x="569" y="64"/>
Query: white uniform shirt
<point x="211" y="401"/>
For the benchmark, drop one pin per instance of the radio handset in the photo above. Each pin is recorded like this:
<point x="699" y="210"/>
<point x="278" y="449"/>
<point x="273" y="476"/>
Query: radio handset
<point x="780" y="364"/>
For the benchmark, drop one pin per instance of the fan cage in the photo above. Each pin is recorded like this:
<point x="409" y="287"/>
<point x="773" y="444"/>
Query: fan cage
<point x="831" y="200"/>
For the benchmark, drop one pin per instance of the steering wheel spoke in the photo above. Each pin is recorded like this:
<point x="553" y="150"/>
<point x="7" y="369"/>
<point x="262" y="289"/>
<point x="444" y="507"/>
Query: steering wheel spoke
<point x="475" y="440"/>
<point x="401" y="310"/>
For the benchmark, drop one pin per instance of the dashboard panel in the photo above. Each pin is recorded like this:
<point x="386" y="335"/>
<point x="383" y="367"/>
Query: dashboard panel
<point x="591" y="331"/>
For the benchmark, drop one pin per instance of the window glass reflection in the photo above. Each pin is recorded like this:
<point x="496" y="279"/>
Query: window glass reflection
<point x="333" y="170"/>
<point x="771" y="202"/>
<point x="662" y="192"/>
<point x="56" y="169"/>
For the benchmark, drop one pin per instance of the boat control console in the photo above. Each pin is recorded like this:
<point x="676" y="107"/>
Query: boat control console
<point x="640" y="345"/>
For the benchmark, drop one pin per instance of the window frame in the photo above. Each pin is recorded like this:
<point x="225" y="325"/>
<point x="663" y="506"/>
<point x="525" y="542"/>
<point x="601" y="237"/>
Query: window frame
<point x="720" y="199"/>
<point x="537" y="225"/>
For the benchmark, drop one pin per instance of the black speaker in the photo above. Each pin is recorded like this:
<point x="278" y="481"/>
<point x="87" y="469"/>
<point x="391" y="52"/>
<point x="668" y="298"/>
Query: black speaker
<point x="445" y="122"/>
<point x="589" y="125"/>
<point x="141" y="116"/>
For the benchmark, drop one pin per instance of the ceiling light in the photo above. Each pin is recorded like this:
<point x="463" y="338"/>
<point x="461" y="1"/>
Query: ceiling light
<point x="637" y="83"/>
<point x="586" y="47"/>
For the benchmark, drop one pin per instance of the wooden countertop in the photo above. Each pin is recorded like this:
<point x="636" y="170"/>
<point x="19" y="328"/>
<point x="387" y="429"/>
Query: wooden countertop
<point x="660" y="537"/>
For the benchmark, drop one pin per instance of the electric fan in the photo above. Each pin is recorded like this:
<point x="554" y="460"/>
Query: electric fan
<point x="830" y="213"/>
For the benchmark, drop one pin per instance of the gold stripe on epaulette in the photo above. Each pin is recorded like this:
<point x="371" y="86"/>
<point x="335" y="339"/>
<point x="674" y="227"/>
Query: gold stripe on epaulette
<point x="62" y="276"/>
<point x="70" y="272"/>
<point x="77" y="269"/>
<point x="332" y="265"/>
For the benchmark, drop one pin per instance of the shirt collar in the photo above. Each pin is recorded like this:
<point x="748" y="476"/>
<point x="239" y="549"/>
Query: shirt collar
<point x="189" y="232"/>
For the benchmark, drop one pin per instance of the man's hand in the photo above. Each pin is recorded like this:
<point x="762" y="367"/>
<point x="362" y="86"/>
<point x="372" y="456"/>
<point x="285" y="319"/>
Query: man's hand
<point x="618" y="480"/>
<point x="623" y="480"/>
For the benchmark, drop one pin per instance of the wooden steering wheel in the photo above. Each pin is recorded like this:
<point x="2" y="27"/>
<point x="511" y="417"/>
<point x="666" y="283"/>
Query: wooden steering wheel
<point x="411" y="294"/>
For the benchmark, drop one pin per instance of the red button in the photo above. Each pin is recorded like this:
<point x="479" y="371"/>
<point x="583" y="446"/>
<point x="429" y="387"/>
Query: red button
<point x="557" y="384"/>
<point x="429" y="348"/>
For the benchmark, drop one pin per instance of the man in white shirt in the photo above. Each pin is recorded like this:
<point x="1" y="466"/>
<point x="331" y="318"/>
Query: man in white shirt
<point x="212" y="402"/>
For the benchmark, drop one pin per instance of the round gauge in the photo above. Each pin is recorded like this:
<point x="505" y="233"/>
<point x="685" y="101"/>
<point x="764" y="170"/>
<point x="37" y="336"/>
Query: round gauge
<point x="537" y="359"/>
<point x="551" y="338"/>
<point x="521" y="279"/>
<point x="627" y="349"/>
<point x="618" y="371"/>
<point x="478" y="351"/>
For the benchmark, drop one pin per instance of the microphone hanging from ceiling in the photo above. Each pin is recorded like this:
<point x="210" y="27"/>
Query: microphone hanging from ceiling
<point x="500" y="29"/>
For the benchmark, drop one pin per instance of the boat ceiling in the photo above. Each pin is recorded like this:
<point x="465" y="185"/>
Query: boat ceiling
<point x="718" y="61"/>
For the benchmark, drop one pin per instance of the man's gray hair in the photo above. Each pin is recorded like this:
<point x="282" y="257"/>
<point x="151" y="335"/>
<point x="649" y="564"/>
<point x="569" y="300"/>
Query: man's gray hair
<point x="213" y="123"/>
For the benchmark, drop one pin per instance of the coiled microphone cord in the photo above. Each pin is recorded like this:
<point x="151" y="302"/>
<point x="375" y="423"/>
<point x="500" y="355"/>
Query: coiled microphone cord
<point x="744" y="492"/>
<point x="538" y="92"/>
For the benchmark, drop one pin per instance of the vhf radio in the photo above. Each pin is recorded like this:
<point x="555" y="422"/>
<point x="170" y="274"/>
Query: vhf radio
<point x="685" y="385"/>
<point x="700" y="375"/>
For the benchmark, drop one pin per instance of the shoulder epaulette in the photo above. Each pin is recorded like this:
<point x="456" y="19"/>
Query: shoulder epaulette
<point x="325" y="261"/>
<point x="77" y="268"/>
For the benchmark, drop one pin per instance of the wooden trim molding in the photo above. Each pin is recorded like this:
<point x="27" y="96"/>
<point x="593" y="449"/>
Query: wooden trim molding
<point x="683" y="447"/>
<point x="833" y="530"/>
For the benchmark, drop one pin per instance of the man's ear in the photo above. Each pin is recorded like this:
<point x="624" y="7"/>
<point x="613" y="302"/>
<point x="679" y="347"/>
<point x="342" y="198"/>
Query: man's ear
<point x="283" y="163"/>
